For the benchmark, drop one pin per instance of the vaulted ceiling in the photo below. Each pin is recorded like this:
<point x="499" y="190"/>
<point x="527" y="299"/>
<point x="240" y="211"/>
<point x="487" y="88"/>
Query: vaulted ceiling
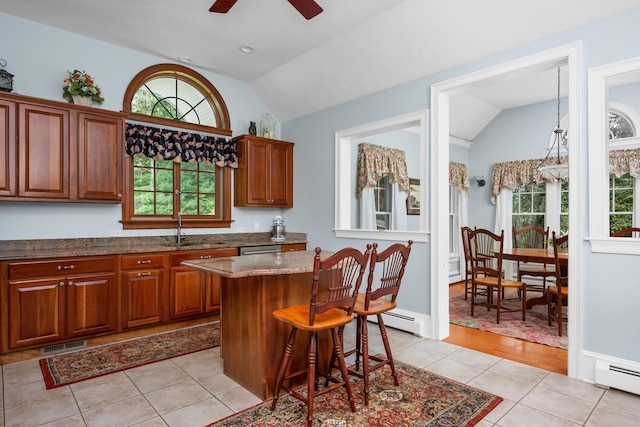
<point x="352" y="49"/>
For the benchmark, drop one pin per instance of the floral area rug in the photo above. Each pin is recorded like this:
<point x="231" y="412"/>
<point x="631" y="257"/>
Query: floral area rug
<point x="422" y="399"/>
<point x="535" y="329"/>
<point x="82" y="365"/>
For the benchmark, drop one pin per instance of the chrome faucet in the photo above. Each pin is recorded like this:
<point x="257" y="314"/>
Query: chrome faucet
<point x="181" y="235"/>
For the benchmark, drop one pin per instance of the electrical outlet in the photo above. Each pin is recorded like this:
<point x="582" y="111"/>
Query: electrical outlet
<point x="256" y="225"/>
<point x="240" y="229"/>
<point x="116" y="233"/>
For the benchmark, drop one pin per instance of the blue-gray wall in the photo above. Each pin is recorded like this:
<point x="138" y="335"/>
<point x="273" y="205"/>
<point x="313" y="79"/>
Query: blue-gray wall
<point x="610" y="286"/>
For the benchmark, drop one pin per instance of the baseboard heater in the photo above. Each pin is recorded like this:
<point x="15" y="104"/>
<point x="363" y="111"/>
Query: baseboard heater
<point x="61" y="348"/>
<point x="618" y="376"/>
<point x="399" y="321"/>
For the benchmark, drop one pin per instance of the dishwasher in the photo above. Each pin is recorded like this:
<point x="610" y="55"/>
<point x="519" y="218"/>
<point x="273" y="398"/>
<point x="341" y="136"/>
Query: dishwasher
<point x="255" y="250"/>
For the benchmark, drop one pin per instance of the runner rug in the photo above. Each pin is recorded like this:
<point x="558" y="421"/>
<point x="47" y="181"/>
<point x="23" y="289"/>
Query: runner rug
<point x="535" y="329"/>
<point x="82" y="365"/>
<point x="422" y="399"/>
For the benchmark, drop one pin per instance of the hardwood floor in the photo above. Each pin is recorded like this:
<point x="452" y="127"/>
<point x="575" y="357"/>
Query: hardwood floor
<point x="539" y="355"/>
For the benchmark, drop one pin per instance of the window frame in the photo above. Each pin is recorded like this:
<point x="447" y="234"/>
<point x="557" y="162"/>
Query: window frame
<point x="222" y="219"/>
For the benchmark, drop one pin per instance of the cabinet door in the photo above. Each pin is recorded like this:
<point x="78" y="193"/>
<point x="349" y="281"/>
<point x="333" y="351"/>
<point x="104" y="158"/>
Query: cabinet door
<point x="187" y="292"/>
<point x="142" y="297"/>
<point x="43" y="147"/>
<point x="100" y="141"/>
<point x="280" y="176"/>
<point x="36" y="311"/>
<point x="212" y="293"/>
<point x="91" y="304"/>
<point x="7" y="148"/>
<point x="257" y="183"/>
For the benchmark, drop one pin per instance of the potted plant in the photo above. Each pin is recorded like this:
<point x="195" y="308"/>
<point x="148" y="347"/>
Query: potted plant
<point x="80" y="89"/>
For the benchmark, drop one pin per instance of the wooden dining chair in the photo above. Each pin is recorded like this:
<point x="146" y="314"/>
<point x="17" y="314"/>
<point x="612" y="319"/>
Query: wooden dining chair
<point x="531" y="236"/>
<point x="558" y="294"/>
<point x="334" y="289"/>
<point x="627" y="232"/>
<point x="467" y="260"/>
<point x="379" y="298"/>
<point x="488" y="274"/>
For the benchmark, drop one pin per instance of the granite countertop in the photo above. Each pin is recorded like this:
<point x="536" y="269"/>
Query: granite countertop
<point x="54" y="248"/>
<point x="258" y="265"/>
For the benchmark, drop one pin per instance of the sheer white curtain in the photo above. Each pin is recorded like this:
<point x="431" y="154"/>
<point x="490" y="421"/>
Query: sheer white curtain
<point x="399" y="208"/>
<point x="367" y="209"/>
<point x="504" y="202"/>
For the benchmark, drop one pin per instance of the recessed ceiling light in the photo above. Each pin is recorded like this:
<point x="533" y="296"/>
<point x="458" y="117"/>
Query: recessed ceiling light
<point x="185" y="59"/>
<point x="247" y="48"/>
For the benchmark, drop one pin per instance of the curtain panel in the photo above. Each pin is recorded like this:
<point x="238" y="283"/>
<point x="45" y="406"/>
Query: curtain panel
<point x="625" y="161"/>
<point x="514" y="173"/>
<point x="458" y="177"/>
<point x="180" y="146"/>
<point x="375" y="161"/>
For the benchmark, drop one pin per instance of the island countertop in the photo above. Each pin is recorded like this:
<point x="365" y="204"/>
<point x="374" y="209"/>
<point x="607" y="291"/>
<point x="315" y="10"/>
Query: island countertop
<point x="258" y="265"/>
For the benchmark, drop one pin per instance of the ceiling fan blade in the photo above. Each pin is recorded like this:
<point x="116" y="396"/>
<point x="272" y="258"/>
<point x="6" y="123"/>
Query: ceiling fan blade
<point x="222" y="6"/>
<point x="308" y="8"/>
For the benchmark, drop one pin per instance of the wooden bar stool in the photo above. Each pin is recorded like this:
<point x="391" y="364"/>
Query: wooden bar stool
<point x="335" y="285"/>
<point x="375" y="301"/>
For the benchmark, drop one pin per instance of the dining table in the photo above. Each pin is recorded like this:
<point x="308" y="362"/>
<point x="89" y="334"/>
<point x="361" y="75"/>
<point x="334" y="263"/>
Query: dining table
<point x="539" y="255"/>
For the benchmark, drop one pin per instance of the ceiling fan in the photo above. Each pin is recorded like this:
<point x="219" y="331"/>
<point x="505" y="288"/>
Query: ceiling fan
<point x="308" y="8"/>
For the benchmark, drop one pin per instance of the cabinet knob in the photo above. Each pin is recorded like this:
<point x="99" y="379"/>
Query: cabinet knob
<point x="144" y="261"/>
<point x="146" y="273"/>
<point x="70" y="283"/>
<point x="205" y="257"/>
<point x="61" y="284"/>
<point x="65" y="267"/>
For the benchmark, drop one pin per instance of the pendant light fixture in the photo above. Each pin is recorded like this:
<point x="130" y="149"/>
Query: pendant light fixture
<point x="555" y="171"/>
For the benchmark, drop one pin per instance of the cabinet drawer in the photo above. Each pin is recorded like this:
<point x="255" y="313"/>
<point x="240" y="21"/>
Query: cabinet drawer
<point x="61" y="267"/>
<point x="134" y="262"/>
<point x="293" y="247"/>
<point x="178" y="257"/>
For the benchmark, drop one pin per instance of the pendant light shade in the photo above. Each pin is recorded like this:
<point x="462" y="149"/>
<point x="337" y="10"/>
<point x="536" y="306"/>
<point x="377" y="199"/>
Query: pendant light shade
<point x="555" y="170"/>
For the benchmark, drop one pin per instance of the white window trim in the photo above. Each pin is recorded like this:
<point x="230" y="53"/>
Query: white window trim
<point x="598" y="80"/>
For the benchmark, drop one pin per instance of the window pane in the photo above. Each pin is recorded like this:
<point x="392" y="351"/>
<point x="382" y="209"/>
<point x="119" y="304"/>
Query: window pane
<point x="164" y="203"/>
<point x="188" y="181"/>
<point x="164" y="180"/>
<point x="143" y="179"/>
<point x="207" y="204"/>
<point x="188" y="204"/>
<point x="143" y="203"/>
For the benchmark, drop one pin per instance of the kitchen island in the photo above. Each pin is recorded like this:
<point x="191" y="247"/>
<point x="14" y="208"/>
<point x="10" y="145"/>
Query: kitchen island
<point x="251" y="340"/>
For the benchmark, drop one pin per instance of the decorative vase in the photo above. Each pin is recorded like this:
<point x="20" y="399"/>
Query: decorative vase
<point x="81" y="100"/>
<point x="252" y="128"/>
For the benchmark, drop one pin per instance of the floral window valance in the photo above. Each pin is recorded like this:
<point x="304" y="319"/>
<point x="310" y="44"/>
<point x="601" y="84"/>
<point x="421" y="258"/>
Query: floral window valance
<point x="514" y="173"/>
<point x="624" y="161"/>
<point x="458" y="177"/>
<point x="180" y="146"/>
<point x="375" y="161"/>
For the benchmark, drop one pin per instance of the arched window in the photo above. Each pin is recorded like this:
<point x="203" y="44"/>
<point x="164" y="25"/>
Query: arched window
<point x="178" y="139"/>
<point x="624" y="147"/>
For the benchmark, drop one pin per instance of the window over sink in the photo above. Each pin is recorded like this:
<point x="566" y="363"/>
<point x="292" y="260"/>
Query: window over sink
<point x="170" y="98"/>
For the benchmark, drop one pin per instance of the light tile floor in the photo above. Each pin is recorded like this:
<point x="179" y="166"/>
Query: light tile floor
<point x="191" y="390"/>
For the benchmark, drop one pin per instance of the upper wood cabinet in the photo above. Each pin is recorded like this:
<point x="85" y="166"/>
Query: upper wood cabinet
<point x="59" y="152"/>
<point x="264" y="177"/>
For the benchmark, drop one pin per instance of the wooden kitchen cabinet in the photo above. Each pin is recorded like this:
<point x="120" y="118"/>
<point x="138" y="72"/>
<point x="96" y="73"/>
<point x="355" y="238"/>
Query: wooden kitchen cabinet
<point x="100" y="145"/>
<point x="55" y="151"/>
<point x="264" y="177"/>
<point x="193" y="292"/>
<point x="143" y="290"/>
<point x="60" y="299"/>
<point x="293" y="247"/>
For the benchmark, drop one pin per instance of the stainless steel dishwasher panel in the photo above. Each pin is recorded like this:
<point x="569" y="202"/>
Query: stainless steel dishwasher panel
<point x="255" y="250"/>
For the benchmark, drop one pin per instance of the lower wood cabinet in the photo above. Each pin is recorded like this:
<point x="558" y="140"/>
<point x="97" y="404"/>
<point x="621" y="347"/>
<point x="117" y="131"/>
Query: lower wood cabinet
<point x="143" y="290"/>
<point x="293" y="247"/>
<point x="60" y="299"/>
<point x="193" y="292"/>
